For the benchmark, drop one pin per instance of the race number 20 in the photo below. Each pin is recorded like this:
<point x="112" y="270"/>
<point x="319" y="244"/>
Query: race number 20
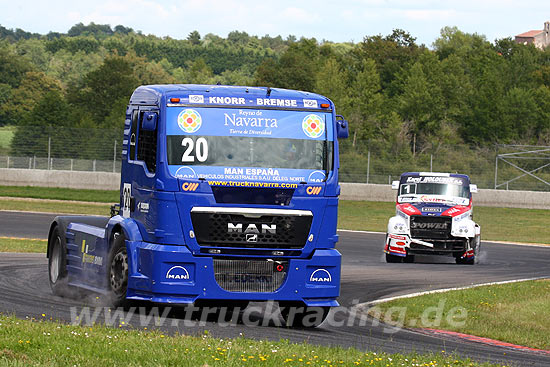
<point x="194" y="150"/>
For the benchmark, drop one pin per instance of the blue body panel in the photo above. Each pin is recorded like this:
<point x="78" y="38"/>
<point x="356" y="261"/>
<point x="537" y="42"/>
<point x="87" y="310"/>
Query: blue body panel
<point x="155" y="215"/>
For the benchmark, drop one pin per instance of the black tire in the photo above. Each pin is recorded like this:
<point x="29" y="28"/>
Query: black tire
<point x="408" y="259"/>
<point x="117" y="271"/>
<point x="473" y="260"/>
<point x="296" y="314"/>
<point x="57" y="264"/>
<point x="393" y="258"/>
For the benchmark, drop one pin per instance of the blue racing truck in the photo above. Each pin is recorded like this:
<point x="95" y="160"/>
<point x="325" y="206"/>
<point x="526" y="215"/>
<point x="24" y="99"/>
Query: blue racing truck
<point x="227" y="194"/>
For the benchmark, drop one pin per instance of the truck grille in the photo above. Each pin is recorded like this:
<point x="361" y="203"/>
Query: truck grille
<point x="255" y="276"/>
<point x="437" y="228"/>
<point x="224" y="229"/>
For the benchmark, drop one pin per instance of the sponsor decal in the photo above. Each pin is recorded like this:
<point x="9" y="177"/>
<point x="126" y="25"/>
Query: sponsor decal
<point x="431" y="210"/>
<point x="398" y="250"/>
<point x="196" y="98"/>
<point x="253" y="184"/>
<point x="456" y="211"/>
<point x="436" y="179"/>
<point x="408" y="208"/>
<point x="143" y="207"/>
<point x="320" y="276"/>
<point x="226" y="100"/>
<point x="251" y="278"/>
<point x="416" y="225"/>
<point x="189" y="120"/>
<point x="189" y="186"/>
<point x="430" y="199"/>
<point x="313" y="190"/>
<point x="310" y="103"/>
<point x="247" y="118"/>
<point x="177" y="272"/>
<point x="316" y="176"/>
<point x="277" y="102"/>
<point x="396" y="237"/>
<point x="313" y="126"/>
<point x="90" y="259"/>
<point x="185" y="172"/>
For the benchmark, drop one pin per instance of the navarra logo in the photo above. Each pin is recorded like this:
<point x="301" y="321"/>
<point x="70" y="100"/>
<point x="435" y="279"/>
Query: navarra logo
<point x="189" y="120"/>
<point x="313" y="126"/>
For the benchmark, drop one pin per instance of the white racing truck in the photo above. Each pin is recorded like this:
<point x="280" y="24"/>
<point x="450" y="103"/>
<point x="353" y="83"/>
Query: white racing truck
<point x="433" y="217"/>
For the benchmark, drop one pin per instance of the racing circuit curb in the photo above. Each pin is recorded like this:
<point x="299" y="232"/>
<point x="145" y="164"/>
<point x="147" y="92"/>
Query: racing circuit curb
<point x="453" y="334"/>
<point x="478" y="339"/>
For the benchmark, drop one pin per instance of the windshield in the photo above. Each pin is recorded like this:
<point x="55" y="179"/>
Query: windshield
<point x="251" y="144"/>
<point x="435" y="189"/>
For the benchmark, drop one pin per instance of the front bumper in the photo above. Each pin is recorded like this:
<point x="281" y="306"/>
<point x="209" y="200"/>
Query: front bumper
<point x="172" y="274"/>
<point x="403" y="245"/>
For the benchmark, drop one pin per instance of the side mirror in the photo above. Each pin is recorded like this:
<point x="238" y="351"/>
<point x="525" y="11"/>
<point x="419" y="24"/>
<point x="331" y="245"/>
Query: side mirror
<point x="149" y="121"/>
<point x="342" y="130"/>
<point x="473" y="188"/>
<point x="395" y="185"/>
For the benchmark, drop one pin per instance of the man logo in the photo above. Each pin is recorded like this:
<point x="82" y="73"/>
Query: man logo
<point x="177" y="273"/>
<point x="313" y="190"/>
<point x="251" y="237"/>
<point x="189" y="186"/>
<point x="320" y="276"/>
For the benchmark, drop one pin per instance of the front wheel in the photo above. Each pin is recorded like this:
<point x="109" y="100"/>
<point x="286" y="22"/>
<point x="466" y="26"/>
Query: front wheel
<point x="297" y="314"/>
<point x="475" y="244"/>
<point x="393" y="258"/>
<point x="118" y="270"/>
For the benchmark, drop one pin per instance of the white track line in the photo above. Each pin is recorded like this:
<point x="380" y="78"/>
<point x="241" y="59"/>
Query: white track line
<point x="410" y="295"/>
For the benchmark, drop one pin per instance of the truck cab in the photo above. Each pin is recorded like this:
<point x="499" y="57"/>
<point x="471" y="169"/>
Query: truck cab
<point x="227" y="194"/>
<point x="434" y="216"/>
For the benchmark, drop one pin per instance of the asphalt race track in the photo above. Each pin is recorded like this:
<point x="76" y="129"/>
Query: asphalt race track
<point x="366" y="277"/>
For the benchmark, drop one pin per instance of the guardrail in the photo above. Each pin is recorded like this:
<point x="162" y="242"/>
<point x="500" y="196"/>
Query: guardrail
<point x="350" y="191"/>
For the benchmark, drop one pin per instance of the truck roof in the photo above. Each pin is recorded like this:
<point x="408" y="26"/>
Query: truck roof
<point x="153" y="94"/>
<point x="441" y="174"/>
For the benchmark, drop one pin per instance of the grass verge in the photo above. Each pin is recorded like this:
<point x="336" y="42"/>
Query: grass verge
<point x="45" y="343"/>
<point x="513" y="313"/>
<point x="55" y="207"/>
<point x="8" y="244"/>
<point x="99" y="196"/>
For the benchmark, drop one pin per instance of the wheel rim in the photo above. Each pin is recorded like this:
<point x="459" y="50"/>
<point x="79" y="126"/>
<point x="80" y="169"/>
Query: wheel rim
<point x="55" y="260"/>
<point x="119" y="272"/>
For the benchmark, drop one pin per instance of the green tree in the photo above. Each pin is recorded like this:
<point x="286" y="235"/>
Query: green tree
<point x="113" y="80"/>
<point x="195" y="38"/>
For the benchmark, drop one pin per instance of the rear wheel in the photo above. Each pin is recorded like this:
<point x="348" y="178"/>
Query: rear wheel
<point x="118" y="270"/>
<point x="57" y="264"/>
<point x="393" y="258"/>
<point x="297" y="314"/>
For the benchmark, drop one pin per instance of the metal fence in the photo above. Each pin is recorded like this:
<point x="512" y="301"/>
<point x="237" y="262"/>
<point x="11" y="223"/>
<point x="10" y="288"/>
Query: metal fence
<point x="51" y="148"/>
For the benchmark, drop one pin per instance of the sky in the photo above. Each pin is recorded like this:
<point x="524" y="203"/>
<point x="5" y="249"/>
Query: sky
<point x="336" y="21"/>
